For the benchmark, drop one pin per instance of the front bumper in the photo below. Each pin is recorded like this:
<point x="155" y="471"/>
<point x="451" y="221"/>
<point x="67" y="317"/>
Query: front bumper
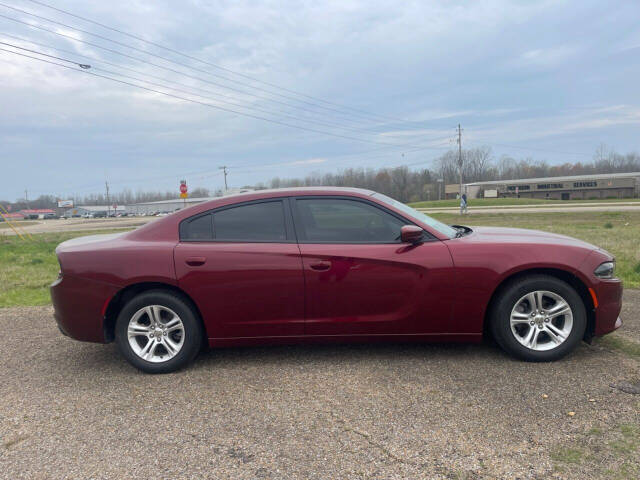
<point x="79" y="306"/>
<point x="607" y="313"/>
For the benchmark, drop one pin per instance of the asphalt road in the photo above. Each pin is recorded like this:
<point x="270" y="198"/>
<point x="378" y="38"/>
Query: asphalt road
<point x="558" y="208"/>
<point x="74" y="410"/>
<point x="78" y="224"/>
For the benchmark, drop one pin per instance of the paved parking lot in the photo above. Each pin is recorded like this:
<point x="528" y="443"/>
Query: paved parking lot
<point x="74" y="410"/>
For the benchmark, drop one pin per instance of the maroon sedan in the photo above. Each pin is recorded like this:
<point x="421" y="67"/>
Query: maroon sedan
<point x="329" y="264"/>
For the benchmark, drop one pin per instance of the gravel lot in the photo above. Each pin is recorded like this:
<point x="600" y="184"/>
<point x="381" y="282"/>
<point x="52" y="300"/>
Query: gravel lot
<point x="74" y="410"/>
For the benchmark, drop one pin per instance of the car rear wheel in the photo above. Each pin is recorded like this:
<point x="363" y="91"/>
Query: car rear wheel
<point x="538" y="318"/>
<point x="159" y="332"/>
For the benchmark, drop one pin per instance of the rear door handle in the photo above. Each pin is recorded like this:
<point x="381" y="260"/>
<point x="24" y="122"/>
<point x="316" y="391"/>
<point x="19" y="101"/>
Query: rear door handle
<point x="195" y="261"/>
<point x="320" y="266"/>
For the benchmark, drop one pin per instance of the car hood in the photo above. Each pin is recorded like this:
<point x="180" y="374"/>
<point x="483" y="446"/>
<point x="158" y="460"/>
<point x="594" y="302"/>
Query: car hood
<point x="522" y="235"/>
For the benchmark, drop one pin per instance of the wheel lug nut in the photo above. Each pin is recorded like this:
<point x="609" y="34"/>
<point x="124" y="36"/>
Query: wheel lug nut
<point x="532" y="323"/>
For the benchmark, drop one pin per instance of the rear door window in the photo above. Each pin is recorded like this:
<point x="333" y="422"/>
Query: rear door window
<point x="197" y="228"/>
<point x="256" y="222"/>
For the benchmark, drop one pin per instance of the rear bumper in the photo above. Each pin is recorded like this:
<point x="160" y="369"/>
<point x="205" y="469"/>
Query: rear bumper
<point x="79" y="306"/>
<point x="609" y="296"/>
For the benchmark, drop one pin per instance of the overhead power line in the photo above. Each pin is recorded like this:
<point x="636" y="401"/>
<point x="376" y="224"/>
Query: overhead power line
<point x="166" y="59"/>
<point x="73" y="62"/>
<point x="146" y="62"/>
<point x="148" y="42"/>
<point x="162" y="67"/>
<point x="141" y="39"/>
<point x="178" y="97"/>
<point x="169" y="86"/>
<point x="137" y="59"/>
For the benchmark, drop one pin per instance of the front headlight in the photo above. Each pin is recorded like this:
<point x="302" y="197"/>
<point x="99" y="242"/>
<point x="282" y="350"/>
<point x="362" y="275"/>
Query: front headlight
<point x="605" y="270"/>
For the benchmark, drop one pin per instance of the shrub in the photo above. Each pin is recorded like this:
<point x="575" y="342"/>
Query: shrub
<point x="608" y="225"/>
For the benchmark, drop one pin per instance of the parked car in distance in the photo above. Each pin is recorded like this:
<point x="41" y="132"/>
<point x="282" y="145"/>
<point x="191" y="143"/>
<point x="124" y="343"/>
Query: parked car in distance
<point x="329" y="265"/>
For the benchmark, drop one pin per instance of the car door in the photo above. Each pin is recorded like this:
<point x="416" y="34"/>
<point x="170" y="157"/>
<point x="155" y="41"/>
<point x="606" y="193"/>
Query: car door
<point x="360" y="279"/>
<point x="242" y="267"/>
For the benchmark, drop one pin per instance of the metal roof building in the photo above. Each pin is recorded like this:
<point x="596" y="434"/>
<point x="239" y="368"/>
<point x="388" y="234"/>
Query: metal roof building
<point x="164" y="206"/>
<point x="582" y="187"/>
<point x="168" y="206"/>
<point x="94" y="209"/>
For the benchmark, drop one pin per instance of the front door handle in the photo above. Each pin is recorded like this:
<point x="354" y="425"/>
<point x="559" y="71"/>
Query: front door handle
<point x="195" y="261"/>
<point x="320" y="266"/>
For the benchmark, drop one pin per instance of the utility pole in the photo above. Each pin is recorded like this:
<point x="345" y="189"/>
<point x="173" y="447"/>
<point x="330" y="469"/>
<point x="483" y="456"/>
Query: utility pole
<point x="460" y="163"/>
<point x="224" y="170"/>
<point x="106" y="187"/>
<point x="26" y="197"/>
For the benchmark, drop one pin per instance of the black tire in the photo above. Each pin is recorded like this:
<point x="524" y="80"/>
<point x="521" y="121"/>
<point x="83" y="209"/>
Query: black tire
<point x="500" y="317"/>
<point x="193" y="331"/>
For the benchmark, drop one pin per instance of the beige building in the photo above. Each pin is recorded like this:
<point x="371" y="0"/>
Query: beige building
<point x="582" y="187"/>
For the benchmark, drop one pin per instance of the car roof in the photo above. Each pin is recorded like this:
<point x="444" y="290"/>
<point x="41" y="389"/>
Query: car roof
<point x="291" y="191"/>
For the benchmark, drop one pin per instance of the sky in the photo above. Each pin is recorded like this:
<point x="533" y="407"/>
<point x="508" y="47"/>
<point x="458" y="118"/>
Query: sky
<point x="289" y="88"/>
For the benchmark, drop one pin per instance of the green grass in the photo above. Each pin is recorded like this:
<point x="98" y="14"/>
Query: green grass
<point x="614" y="455"/>
<point x="27" y="267"/>
<point x="621" y="344"/>
<point x="497" y="202"/>
<point x="567" y="455"/>
<point x="621" y="239"/>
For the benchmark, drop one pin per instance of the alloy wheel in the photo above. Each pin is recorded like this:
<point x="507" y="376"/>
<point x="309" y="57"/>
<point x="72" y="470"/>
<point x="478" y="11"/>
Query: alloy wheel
<point x="541" y="320"/>
<point x="155" y="333"/>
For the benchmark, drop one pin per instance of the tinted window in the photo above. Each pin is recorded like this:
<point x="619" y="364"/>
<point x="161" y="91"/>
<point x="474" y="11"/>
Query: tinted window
<point x="255" y="222"/>
<point x="419" y="216"/>
<point x="346" y="221"/>
<point x="200" y="228"/>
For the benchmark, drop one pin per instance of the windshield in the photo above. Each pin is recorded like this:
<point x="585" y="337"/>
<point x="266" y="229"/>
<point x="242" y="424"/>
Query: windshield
<point x="418" y="216"/>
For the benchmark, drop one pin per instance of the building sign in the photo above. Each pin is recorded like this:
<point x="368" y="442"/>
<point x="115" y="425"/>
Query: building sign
<point x="548" y="186"/>
<point x="517" y="188"/>
<point x="586" y="184"/>
<point x="65" y="203"/>
<point x="491" y="193"/>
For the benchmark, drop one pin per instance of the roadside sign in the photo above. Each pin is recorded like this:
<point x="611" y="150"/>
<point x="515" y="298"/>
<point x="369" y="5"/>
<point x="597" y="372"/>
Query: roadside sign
<point x="184" y="195"/>
<point x="183" y="188"/>
<point x="65" y="203"/>
<point x="115" y="206"/>
<point x="491" y="193"/>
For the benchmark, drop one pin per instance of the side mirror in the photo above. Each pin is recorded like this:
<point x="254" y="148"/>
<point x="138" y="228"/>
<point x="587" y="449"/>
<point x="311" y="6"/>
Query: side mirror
<point x="411" y="234"/>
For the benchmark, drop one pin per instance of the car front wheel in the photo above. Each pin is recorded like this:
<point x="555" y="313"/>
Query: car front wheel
<point x="538" y="318"/>
<point x="158" y="332"/>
